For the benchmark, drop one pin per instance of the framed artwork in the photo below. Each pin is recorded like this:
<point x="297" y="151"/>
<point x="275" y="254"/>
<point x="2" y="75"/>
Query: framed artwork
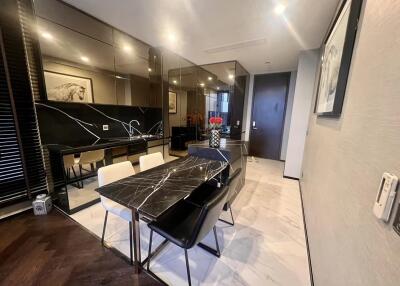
<point x="172" y="104"/>
<point x="68" y="88"/>
<point x="336" y="59"/>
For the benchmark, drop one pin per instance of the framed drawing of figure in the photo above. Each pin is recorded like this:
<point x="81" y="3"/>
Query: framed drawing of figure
<point x="336" y="59"/>
<point x="68" y="88"/>
<point x="172" y="102"/>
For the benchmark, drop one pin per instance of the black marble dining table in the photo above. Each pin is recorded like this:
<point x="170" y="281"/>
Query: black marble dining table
<point x="152" y="192"/>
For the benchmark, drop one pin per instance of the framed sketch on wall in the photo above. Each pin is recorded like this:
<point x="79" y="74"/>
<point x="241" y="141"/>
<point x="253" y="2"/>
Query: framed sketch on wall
<point x="68" y="88"/>
<point x="172" y="103"/>
<point x="336" y="59"/>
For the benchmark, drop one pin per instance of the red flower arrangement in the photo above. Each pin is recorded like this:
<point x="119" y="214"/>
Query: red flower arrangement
<point x="215" y="122"/>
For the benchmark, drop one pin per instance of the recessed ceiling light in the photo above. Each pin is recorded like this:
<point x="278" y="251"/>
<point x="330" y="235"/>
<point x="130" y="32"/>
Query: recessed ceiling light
<point x="209" y="78"/>
<point x="175" y="81"/>
<point x="279" y="9"/>
<point x="201" y="84"/>
<point x="149" y="69"/>
<point x="47" y="35"/>
<point x="85" y="59"/>
<point x="127" y="48"/>
<point x="218" y="87"/>
<point x="231" y="76"/>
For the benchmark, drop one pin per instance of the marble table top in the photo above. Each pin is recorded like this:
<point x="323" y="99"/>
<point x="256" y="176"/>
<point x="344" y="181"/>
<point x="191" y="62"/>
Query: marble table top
<point x="154" y="191"/>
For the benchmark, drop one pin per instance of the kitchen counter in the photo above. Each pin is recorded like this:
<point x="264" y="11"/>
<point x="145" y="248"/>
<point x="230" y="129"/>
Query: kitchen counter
<point x="103" y="143"/>
<point x="230" y="151"/>
<point x="57" y="178"/>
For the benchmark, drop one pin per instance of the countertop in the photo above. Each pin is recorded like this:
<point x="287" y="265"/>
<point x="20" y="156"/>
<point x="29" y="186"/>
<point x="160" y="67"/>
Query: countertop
<point x="102" y="143"/>
<point x="229" y="150"/>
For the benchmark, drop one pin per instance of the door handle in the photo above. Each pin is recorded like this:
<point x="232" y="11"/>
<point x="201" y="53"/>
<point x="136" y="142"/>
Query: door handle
<point x="254" y="125"/>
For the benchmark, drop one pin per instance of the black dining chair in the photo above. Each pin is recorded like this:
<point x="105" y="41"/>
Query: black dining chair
<point x="201" y="195"/>
<point x="187" y="224"/>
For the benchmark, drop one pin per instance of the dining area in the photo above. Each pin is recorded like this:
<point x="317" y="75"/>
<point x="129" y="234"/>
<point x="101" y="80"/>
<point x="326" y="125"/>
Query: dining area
<point x="179" y="201"/>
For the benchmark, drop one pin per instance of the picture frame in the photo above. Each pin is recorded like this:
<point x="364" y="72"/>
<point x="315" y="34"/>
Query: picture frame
<point x="336" y="58"/>
<point x="68" y="88"/>
<point x="172" y="102"/>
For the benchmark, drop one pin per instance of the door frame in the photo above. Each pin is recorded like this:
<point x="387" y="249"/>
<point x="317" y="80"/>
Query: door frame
<point x="284" y="111"/>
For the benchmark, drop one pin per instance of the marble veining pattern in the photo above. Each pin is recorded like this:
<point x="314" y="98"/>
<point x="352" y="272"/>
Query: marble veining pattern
<point x="155" y="190"/>
<point x="265" y="247"/>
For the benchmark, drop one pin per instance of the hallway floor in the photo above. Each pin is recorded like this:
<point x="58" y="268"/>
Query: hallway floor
<point x="265" y="247"/>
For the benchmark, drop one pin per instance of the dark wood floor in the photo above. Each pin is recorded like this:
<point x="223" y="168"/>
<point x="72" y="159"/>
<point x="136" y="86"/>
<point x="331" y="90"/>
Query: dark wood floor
<point x="54" y="250"/>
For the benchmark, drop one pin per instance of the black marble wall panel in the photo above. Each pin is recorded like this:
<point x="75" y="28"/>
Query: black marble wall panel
<point x="70" y="123"/>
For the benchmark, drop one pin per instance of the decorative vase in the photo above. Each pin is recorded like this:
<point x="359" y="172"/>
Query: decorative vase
<point x="215" y="138"/>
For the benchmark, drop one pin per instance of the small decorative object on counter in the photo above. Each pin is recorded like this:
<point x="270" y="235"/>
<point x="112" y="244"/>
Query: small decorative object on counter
<point x="42" y="205"/>
<point x="215" y="135"/>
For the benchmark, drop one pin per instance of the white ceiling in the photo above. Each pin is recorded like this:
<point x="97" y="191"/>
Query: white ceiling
<point x="208" y="31"/>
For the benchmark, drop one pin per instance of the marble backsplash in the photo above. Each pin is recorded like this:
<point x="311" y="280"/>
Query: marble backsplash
<point x="68" y="123"/>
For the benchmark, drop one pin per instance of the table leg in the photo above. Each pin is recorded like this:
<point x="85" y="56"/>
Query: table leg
<point x="136" y="241"/>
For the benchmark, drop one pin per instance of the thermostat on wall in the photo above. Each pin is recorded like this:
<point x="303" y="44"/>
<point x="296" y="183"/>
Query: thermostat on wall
<point x="385" y="196"/>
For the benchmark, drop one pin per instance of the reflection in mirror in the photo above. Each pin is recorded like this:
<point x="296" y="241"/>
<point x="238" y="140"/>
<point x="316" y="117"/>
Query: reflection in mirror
<point x="219" y="93"/>
<point x="77" y="68"/>
<point x="132" y="70"/>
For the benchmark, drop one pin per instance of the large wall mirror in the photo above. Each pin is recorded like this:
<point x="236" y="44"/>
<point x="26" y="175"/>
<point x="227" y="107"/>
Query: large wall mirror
<point x="87" y="61"/>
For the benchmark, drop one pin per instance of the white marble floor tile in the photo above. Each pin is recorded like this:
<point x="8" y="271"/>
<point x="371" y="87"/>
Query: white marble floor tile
<point x="265" y="247"/>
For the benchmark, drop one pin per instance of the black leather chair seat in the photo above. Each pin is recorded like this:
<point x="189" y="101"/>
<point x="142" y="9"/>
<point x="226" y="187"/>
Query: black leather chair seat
<point x="178" y="224"/>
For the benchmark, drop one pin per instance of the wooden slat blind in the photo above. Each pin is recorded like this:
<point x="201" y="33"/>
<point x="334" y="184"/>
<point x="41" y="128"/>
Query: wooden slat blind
<point x="21" y="81"/>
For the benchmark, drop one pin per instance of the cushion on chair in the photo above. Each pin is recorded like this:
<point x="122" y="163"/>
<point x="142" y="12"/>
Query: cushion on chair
<point x="116" y="208"/>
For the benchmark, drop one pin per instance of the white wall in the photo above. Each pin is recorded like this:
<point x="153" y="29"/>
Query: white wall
<point x="248" y="105"/>
<point x="288" y="114"/>
<point x="345" y="158"/>
<point x="302" y="103"/>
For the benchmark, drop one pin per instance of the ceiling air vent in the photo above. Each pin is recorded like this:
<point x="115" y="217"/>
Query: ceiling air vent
<point x="238" y="45"/>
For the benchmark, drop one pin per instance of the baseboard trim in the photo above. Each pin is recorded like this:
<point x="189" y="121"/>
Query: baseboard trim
<point x="306" y="236"/>
<point x="291" y="178"/>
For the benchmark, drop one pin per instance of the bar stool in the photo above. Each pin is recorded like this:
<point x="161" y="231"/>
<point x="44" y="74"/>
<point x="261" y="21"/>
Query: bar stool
<point x="69" y="164"/>
<point x="90" y="158"/>
<point x="149" y="161"/>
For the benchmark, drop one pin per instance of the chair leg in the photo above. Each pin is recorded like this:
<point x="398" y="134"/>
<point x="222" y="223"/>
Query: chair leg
<point x="233" y="221"/>
<point x="130" y="241"/>
<point x="104" y="228"/>
<point x="149" y="253"/>
<point x="187" y="268"/>
<point x="75" y="176"/>
<point x="228" y="222"/>
<point x="216" y="241"/>
<point x="80" y="174"/>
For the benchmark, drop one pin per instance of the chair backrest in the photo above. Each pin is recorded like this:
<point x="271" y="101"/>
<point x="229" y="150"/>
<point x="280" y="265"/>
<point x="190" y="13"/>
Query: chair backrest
<point x="69" y="161"/>
<point x="150" y="161"/>
<point x="111" y="173"/>
<point x="209" y="216"/>
<point x="89" y="157"/>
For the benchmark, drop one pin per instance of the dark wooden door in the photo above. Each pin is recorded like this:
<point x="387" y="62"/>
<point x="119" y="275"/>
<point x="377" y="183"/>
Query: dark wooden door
<point x="268" y="114"/>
